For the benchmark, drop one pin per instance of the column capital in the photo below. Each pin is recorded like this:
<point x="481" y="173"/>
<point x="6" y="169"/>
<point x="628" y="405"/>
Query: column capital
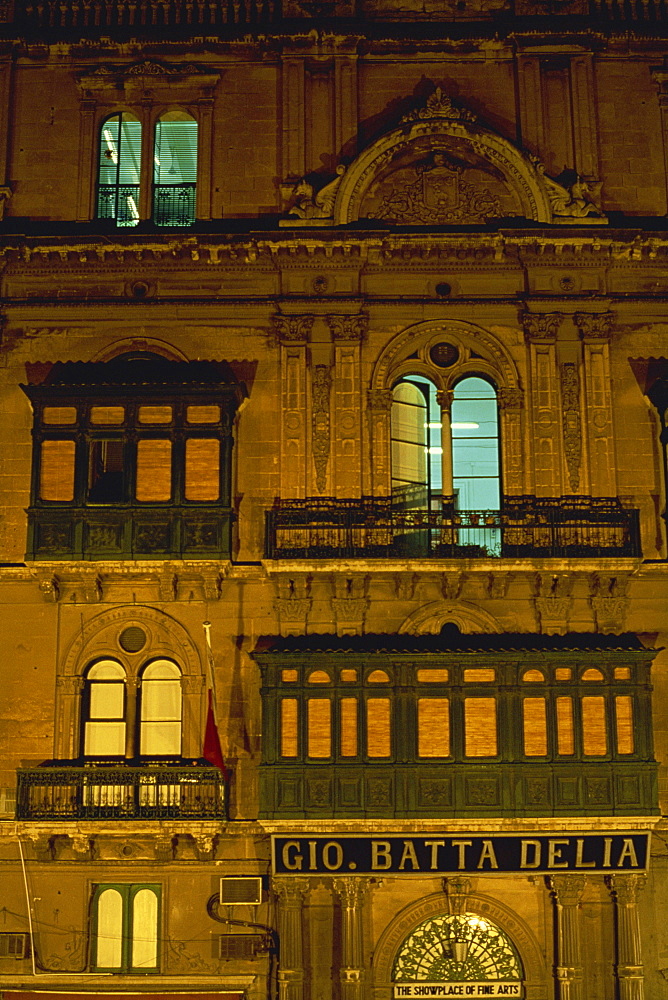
<point x="510" y="398"/>
<point x="541" y="326"/>
<point x="594" y="326"/>
<point x="379" y="399"/>
<point x="351" y="889"/>
<point x="567" y="890"/>
<point x="626" y="888"/>
<point x="444" y="398"/>
<point x="290" y="891"/>
<point x="348" y="327"/>
<point x="293" y="329"/>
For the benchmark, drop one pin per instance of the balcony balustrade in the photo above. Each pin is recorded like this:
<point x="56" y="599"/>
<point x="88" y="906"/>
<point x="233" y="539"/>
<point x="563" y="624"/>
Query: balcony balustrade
<point x="525" y="527"/>
<point x="174" y="204"/>
<point x="120" y="792"/>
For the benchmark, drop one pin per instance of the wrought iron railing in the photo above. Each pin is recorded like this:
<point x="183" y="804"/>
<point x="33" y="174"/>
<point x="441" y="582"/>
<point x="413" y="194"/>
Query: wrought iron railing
<point x="97" y="15"/>
<point x="174" y="204"/>
<point x="526" y="526"/>
<point x="119" y="202"/>
<point x="91" y="792"/>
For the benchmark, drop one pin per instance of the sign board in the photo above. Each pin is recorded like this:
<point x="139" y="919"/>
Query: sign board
<point x="443" y="854"/>
<point x="443" y="991"/>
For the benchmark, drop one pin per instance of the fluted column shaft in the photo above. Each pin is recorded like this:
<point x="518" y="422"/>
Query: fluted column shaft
<point x="351" y="892"/>
<point x="291" y="893"/>
<point x="567" y="894"/>
<point x="628" y="966"/>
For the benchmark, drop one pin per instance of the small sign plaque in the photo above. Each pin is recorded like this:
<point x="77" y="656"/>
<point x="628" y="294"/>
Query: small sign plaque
<point x="444" y="991"/>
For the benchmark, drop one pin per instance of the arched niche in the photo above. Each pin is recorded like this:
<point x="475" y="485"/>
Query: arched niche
<point x="435" y="905"/>
<point x="441" y="167"/>
<point x="430" y="619"/>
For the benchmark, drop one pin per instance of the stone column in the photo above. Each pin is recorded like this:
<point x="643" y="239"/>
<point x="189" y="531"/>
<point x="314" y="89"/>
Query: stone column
<point x="290" y="893"/>
<point x="351" y="892"/>
<point x="444" y="400"/>
<point x="594" y="329"/>
<point x="347" y="333"/>
<point x="541" y="331"/>
<point x="379" y="404"/>
<point x="567" y="894"/>
<point x="132" y="737"/>
<point x="628" y="966"/>
<point x="293" y="334"/>
<point x="145" y="205"/>
<point x="68" y="714"/>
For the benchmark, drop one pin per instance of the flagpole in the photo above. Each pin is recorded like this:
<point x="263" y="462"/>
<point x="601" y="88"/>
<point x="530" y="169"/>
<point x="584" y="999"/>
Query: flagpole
<point x="211" y="749"/>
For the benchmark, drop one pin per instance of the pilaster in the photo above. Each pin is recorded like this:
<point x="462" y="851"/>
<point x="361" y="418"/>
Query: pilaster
<point x="567" y="893"/>
<point x="379" y="407"/>
<point x="347" y="334"/>
<point x="595" y="329"/>
<point x="628" y="967"/>
<point x="293" y="333"/>
<point x="541" y="331"/>
<point x="291" y="893"/>
<point x="351" y="892"/>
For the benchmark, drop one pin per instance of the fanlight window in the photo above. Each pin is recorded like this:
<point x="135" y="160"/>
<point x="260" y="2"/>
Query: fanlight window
<point x="119" y="175"/>
<point x="433" y="952"/>
<point x="175" y="169"/>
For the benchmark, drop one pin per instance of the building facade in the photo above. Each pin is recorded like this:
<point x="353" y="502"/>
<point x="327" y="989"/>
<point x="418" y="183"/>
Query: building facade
<point x="334" y="380"/>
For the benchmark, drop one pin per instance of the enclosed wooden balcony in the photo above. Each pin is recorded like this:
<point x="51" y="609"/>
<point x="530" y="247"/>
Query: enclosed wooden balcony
<point x="379" y="528"/>
<point x="120" y="792"/>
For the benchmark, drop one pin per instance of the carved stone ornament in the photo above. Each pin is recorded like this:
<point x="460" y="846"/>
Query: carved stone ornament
<point x="291" y="892"/>
<point x="292" y="609"/>
<point x="5" y="195"/>
<point x="626" y="888"/>
<point x="567" y="889"/>
<point x="510" y="398"/>
<point x="349" y="613"/>
<point x="610" y="613"/>
<point x="293" y="328"/>
<point x="441" y="166"/>
<point x="570" y="408"/>
<point x="541" y="327"/>
<point x="321" y="423"/>
<point x="554" y="613"/>
<point x="106" y="77"/>
<point x="594" y="326"/>
<point x="348" y="327"/>
<point x="379" y="399"/>
<point x="311" y="207"/>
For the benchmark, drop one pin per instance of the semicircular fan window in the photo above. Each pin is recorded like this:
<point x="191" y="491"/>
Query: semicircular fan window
<point x="485" y="952"/>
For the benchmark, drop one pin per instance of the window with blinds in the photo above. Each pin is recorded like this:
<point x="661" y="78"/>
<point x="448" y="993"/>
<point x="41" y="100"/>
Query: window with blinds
<point x="175" y="169"/>
<point x="119" y="174"/>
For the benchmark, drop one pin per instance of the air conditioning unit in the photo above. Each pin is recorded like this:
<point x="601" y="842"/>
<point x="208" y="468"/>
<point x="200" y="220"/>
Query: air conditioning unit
<point x="14" y="945"/>
<point x="238" y="891"/>
<point x="242" y="946"/>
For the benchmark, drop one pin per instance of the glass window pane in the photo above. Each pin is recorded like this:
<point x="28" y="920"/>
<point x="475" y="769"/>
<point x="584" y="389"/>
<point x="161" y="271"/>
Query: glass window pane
<point x="622" y="673"/>
<point x="378" y="677"/>
<point x="478" y="675"/>
<point x="105" y="472"/>
<point x="160" y="700"/>
<point x="154" y="469"/>
<point x="592" y="675"/>
<point x="533" y="677"/>
<point x="480" y="727"/>
<point x="175" y="149"/>
<point x="378" y="735"/>
<point x="59" y="415"/>
<point x="624" y="721"/>
<point x="433" y="727"/>
<point x="348" y="674"/>
<point x="594" y="737"/>
<point x="119" y="169"/>
<point x="475" y="445"/>
<point x="319" y="727"/>
<point x="107" y="414"/>
<point x="56" y="470"/>
<point x="289" y="676"/>
<point x="145" y="930"/>
<point x="107" y="700"/>
<point x="203" y="414"/>
<point x="563" y="674"/>
<point x="109" y="936"/>
<point x="202" y="469"/>
<point x="565" y="729"/>
<point x="104" y="739"/>
<point x="161" y="670"/>
<point x="155" y="414"/>
<point x="535" y="727"/>
<point x="319" y="677"/>
<point x="160" y="739"/>
<point x="433" y="676"/>
<point x="106" y="670"/>
<point x="289" y="744"/>
<point x="348" y="718"/>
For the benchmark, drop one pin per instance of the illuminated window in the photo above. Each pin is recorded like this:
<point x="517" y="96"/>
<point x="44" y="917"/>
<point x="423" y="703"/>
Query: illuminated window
<point x="534" y="720"/>
<point x="160" y="719"/>
<point x="480" y="736"/>
<point x="119" y="175"/>
<point x="289" y="732"/>
<point x="433" y="718"/>
<point x="104" y="711"/>
<point x="126" y="920"/>
<point x="175" y="169"/>
<point x="565" y="729"/>
<point x="319" y="727"/>
<point x="594" y="732"/>
<point x="624" y="723"/>
<point x="378" y="732"/>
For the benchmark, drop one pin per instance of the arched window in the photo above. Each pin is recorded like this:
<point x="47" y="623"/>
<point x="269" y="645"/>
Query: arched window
<point x="125" y="928"/>
<point x="119" y="174"/>
<point x="104" y="728"/>
<point x="474" y="425"/>
<point x="175" y="169"/>
<point x="436" y="454"/>
<point x="160" y="717"/>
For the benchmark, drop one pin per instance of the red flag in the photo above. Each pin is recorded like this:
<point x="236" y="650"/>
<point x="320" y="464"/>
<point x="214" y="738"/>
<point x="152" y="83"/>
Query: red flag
<point x="211" y="751"/>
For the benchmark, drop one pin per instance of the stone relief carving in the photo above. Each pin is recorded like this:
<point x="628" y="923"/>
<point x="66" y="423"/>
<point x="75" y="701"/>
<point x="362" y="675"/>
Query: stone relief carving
<point x="570" y="398"/>
<point x="348" y="327"/>
<point x="292" y="328"/>
<point x="321" y="423"/>
<point x="439" y="105"/>
<point x="541" y="326"/>
<point x="577" y="201"/>
<point x="594" y="326"/>
<point x="307" y="203"/>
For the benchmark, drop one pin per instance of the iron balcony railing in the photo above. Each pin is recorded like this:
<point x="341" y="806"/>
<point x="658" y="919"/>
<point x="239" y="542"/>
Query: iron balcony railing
<point x="119" y="202"/>
<point x="526" y="526"/>
<point x="91" y="792"/>
<point x="174" y="204"/>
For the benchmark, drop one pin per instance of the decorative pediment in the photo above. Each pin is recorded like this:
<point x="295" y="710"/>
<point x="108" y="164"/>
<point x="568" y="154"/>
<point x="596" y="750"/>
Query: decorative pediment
<point x="441" y="166"/>
<point x="147" y="73"/>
